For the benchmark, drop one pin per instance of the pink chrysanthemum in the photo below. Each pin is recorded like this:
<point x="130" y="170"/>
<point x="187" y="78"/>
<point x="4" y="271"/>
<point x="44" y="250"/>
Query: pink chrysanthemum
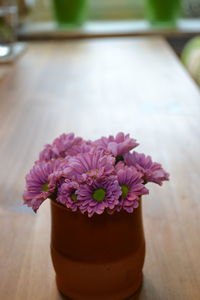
<point x="152" y="171"/>
<point x="92" y="177"/>
<point x="87" y="165"/>
<point x="58" y="174"/>
<point x="131" y="183"/>
<point x="118" y="145"/>
<point x="100" y="194"/>
<point x="38" y="184"/>
<point x="64" y="145"/>
<point x="67" y="194"/>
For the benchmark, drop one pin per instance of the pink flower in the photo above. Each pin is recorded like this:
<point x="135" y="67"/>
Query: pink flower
<point x="118" y="145"/>
<point x="38" y="184"/>
<point x="64" y="145"/>
<point x="132" y="187"/>
<point x="88" y="165"/>
<point x="152" y="171"/>
<point x="99" y="194"/>
<point x="67" y="194"/>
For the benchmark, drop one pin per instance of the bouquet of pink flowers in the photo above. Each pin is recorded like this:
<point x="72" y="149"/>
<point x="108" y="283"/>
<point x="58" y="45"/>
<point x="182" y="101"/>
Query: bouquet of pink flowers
<point x="92" y="176"/>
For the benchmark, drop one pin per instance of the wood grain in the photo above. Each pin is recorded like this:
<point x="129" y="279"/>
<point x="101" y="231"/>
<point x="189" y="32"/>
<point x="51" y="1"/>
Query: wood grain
<point x="94" y="88"/>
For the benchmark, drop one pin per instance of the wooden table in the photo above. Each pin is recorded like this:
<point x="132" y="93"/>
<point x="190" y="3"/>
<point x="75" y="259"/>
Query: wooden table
<point x="95" y="88"/>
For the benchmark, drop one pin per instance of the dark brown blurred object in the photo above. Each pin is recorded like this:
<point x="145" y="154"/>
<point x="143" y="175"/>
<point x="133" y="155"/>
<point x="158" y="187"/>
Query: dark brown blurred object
<point x="21" y="4"/>
<point x="22" y="8"/>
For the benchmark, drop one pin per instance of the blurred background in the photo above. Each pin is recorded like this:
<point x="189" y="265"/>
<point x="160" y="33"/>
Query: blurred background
<point x="178" y="21"/>
<point x="41" y="10"/>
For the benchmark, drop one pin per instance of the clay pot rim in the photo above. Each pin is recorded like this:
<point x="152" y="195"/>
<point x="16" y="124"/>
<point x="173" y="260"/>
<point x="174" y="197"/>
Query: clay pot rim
<point x="60" y="205"/>
<point x="63" y="207"/>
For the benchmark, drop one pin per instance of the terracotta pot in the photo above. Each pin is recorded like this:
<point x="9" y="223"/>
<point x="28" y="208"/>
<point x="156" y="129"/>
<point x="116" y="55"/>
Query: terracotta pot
<point x="97" y="258"/>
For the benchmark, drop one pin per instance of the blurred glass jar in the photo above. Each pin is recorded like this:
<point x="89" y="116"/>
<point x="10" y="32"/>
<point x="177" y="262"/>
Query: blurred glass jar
<point x="191" y="58"/>
<point x="70" y="13"/>
<point x="8" y="24"/>
<point x="163" y="13"/>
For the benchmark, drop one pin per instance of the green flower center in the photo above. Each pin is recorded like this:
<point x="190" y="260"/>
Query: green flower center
<point x="119" y="158"/>
<point x="74" y="197"/>
<point x="99" y="195"/>
<point x="45" y="187"/>
<point x="125" y="191"/>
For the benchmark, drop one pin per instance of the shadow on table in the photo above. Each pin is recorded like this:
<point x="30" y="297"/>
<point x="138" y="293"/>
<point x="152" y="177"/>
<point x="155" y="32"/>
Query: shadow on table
<point x="146" y="291"/>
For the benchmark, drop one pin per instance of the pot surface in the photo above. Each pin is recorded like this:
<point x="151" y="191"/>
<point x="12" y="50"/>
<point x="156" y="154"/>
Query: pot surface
<point x="97" y="258"/>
